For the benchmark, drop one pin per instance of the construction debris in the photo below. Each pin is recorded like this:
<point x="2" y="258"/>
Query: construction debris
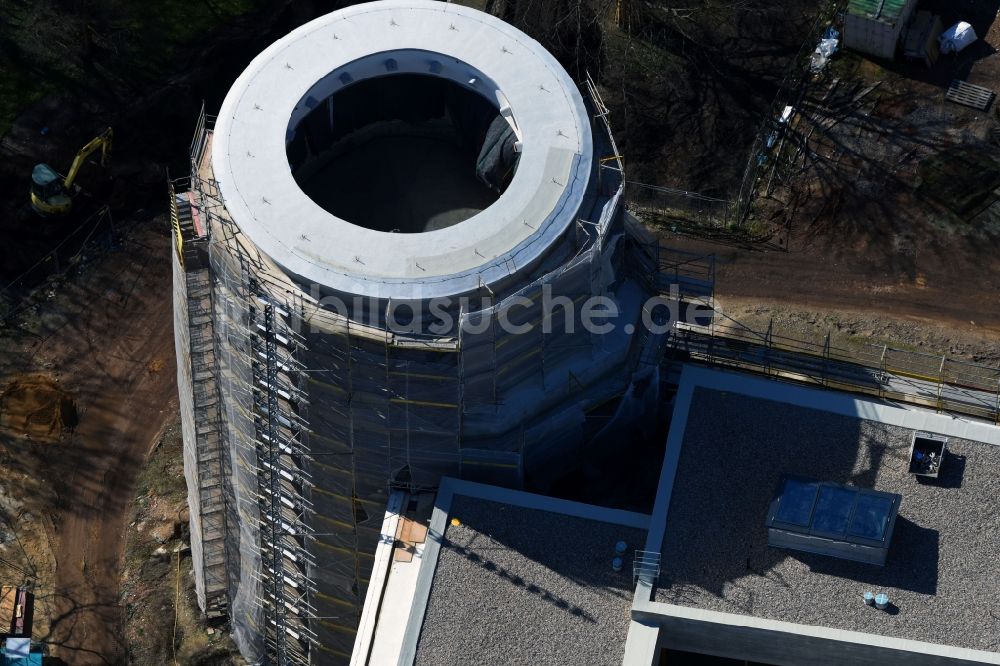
<point x="968" y="94"/>
<point x="825" y="49"/>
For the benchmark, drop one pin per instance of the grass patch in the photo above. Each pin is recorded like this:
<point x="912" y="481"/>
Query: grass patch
<point x="163" y="474"/>
<point x="17" y="91"/>
<point x="160" y="29"/>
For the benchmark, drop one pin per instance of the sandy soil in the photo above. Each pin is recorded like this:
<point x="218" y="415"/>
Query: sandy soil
<point x="106" y="339"/>
<point x="852" y="329"/>
<point x="820" y="274"/>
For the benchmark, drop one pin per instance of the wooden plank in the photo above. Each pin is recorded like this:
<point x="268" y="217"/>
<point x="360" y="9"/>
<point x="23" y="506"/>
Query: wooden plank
<point x="979" y="104"/>
<point x="864" y="92"/>
<point x="965" y="85"/>
<point x="967" y="94"/>
<point x="409" y="533"/>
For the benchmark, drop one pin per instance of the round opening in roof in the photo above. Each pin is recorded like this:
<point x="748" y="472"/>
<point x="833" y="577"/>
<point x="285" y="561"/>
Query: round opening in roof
<point x="402" y="151"/>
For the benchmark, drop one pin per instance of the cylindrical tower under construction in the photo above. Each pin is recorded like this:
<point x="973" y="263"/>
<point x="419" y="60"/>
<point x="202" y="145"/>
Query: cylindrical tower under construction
<point x="381" y="255"/>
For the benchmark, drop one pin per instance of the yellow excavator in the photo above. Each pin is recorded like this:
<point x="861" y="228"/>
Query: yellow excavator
<point x="51" y="193"/>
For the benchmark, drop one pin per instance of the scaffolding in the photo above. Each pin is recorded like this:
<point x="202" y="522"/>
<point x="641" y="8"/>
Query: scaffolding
<point x="917" y="378"/>
<point x="317" y="416"/>
<point x="199" y="406"/>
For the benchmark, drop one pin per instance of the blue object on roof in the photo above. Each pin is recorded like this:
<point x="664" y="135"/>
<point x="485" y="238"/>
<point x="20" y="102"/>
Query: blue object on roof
<point x="871" y="516"/>
<point x="833" y="509"/>
<point x="796" y="505"/>
<point x="832" y="519"/>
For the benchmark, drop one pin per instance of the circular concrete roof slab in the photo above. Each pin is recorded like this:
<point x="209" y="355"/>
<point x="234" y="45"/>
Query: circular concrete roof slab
<point x="543" y="200"/>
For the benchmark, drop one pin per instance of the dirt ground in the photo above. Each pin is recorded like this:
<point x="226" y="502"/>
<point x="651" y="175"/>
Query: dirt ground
<point x="35" y="408"/>
<point x="687" y="83"/>
<point x="819" y="274"/>
<point x="162" y="621"/>
<point x="103" y="344"/>
<point x="852" y="328"/>
<point x="890" y="195"/>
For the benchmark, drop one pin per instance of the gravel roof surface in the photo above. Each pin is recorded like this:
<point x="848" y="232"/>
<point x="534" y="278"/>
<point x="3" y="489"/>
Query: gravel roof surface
<point x="941" y="574"/>
<point x="522" y="586"/>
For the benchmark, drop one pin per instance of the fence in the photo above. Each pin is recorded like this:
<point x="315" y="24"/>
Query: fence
<point x="913" y="377"/>
<point x="679" y="205"/>
<point x="694" y="214"/>
<point x="94" y="234"/>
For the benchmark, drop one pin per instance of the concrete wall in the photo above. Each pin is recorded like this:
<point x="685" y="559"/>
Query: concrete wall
<point x="786" y="644"/>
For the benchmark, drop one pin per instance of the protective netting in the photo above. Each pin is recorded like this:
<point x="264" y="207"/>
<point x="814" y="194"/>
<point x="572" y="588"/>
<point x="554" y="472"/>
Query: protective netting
<point x="382" y="410"/>
<point x="232" y="337"/>
<point x="320" y="415"/>
<point x="195" y="346"/>
<point x="182" y="342"/>
<point x="521" y="359"/>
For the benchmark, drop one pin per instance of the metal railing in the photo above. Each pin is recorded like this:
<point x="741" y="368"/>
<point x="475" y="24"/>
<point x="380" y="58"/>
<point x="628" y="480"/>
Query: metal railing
<point x="919" y="378"/>
<point x="615" y="160"/>
<point x="646" y="567"/>
<point x="199" y="142"/>
<point x="690" y="274"/>
<point x="175" y="217"/>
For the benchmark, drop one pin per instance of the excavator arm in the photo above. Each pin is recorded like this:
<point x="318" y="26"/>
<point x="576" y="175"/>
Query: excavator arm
<point x="103" y="141"/>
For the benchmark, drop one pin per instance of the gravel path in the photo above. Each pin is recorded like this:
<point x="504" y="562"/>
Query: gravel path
<point x="941" y="572"/>
<point x="521" y="586"/>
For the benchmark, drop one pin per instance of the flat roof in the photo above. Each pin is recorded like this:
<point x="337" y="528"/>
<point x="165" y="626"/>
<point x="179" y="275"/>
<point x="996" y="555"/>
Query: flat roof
<point x="367" y="40"/>
<point x="512" y="577"/>
<point x="941" y="572"/>
<point x="523" y="586"/>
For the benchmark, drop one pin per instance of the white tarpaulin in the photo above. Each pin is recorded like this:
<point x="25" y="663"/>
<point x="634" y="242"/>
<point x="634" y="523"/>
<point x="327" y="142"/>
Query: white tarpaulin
<point x="957" y="37"/>
<point x="826" y="48"/>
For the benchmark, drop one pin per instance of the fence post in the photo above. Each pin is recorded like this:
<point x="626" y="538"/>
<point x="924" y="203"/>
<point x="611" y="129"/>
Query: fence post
<point x="882" y="369"/>
<point x="940" y="380"/>
<point x="996" y="412"/>
<point x="768" y="340"/>
<point x="826" y="358"/>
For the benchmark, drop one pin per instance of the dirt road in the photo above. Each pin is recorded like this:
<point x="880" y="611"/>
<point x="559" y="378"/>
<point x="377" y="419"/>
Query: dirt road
<point x="939" y="281"/>
<point x="106" y="339"/>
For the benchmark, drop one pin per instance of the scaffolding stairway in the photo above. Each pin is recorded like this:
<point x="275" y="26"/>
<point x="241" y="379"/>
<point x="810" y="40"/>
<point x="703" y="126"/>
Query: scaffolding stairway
<point x="193" y="254"/>
<point x="208" y="440"/>
<point x="208" y="444"/>
<point x="283" y="486"/>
